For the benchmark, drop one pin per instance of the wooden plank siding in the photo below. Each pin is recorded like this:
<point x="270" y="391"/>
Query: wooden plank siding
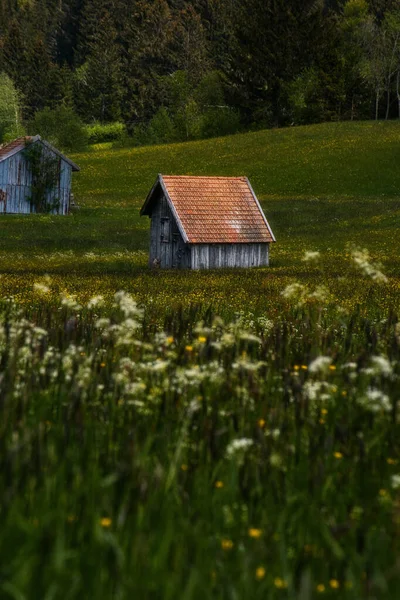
<point x="214" y="256"/>
<point x="16" y="181"/>
<point x="166" y="243"/>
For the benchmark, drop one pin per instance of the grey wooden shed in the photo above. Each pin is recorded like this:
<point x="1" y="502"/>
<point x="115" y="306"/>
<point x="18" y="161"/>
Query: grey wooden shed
<point x="206" y="223"/>
<point x="16" y="178"/>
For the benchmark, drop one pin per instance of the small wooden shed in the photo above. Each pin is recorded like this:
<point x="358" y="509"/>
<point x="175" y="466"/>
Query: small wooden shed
<point x="206" y="223"/>
<point x="16" y="178"/>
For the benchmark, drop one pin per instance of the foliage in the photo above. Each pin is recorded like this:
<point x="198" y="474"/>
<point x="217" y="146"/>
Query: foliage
<point x="44" y="168"/>
<point x="105" y="132"/>
<point x="10" y="120"/>
<point x="110" y="61"/>
<point x="61" y="127"/>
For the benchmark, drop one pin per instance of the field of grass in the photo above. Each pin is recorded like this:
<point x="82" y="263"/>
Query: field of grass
<point x="210" y="435"/>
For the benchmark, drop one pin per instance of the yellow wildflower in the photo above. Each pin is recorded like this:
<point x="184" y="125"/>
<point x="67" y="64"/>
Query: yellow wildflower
<point x="189" y="348"/>
<point x="105" y="522"/>
<point x="391" y="461"/>
<point x="261" y="423"/>
<point x="219" y="484"/>
<point x="324" y="411"/>
<point x="170" y="339"/>
<point x="280" y="583"/>
<point x="255" y="533"/>
<point x="184" y="467"/>
<point x="226" y="544"/>
<point x="338" y="455"/>
<point x="304" y="367"/>
<point x="202" y="339"/>
<point x="296" y="367"/>
<point x="334" y="583"/>
<point x="260" y="573"/>
<point x="383" y="493"/>
<point x="103" y="364"/>
<point x="320" y="588"/>
<point x="332" y="368"/>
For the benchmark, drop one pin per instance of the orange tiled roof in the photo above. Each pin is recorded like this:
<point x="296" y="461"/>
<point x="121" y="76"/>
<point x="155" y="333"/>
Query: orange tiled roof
<point x="15" y="145"/>
<point x="220" y="210"/>
<point x="19" y="144"/>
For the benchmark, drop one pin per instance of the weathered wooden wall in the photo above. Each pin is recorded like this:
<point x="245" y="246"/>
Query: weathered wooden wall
<point x="166" y="243"/>
<point x="213" y="256"/>
<point x="15" y="182"/>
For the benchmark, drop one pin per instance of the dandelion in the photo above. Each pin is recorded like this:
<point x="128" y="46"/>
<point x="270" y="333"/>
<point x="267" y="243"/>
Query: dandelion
<point x="184" y="467"/>
<point x="189" y="348"/>
<point x="304" y="367"/>
<point x="280" y="583"/>
<point x="261" y="423"/>
<point x="226" y="544"/>
<point x="338" y="455"/>
<point x="383" y="493"/>
<point x="202" y="339"/>
<point x="105" y="522"/>
<point x="391" y="461"/>
<point x="334" y="583"/>
<point x="320" y="588"/>
<point x="260" y="573"/>
<point x="332" y="368"/>
<point x="219" y="484"/>
<point x="255" y="533"/>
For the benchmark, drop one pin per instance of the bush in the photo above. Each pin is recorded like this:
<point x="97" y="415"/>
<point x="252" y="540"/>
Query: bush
<point x="220" y="121"/>
<point x="105" y="132"/>
<point x="61" y="127"/>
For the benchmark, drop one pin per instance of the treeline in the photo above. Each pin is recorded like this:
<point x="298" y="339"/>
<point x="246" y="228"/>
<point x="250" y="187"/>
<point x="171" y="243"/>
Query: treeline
<point x="184" y="69"/>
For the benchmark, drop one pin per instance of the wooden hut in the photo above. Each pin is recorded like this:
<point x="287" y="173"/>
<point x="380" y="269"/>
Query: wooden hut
<point x="16" y="178"/>
<point x="206" y="223"/>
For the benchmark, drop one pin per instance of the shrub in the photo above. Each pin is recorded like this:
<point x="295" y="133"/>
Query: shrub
<point x="61" y="127"/>
<point x="105" y="132"/>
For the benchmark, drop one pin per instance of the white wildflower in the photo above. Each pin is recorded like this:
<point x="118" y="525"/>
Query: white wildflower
<point x="395" y="482"/>
<point x="311" y="256"/>
<point x="238" y="446"/>
<point x="362" y="259"/>
<point x="40" y="288"/>
<point x="381" y="366"/>
<point x="95" y="302"/>
<point x="375" y="401"/>
<point x="321" y="363"/>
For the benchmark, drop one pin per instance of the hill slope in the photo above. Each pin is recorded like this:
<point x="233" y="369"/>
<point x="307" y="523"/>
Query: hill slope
<point x="322" y="187"/>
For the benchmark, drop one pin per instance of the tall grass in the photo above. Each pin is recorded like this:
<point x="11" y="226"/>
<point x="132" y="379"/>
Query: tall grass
<point x="251" y="458"/>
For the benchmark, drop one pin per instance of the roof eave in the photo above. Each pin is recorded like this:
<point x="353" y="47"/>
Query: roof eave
<point x="144" y="211"/>
<point x="260" y="209"/>
<point x="173" y="210"/>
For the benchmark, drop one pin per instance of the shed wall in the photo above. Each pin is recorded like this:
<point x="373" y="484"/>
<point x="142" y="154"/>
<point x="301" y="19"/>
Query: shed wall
<point x="166" y="243"/>
<point x="16" y="181"/>
<point x="214" y="256"/>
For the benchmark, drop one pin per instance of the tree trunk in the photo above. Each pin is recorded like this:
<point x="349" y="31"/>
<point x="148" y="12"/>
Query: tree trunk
<point x="387" y="101"/>
<point x="377" y="105"/>
<point x="398" y="89"/>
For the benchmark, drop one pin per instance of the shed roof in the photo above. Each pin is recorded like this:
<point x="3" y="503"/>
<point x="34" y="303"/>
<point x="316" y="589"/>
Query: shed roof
<point x="213" y="210"/>
<point x="20" y="143"/>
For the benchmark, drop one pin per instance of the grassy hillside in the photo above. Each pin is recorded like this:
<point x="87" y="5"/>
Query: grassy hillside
<point x="322" y="187"/>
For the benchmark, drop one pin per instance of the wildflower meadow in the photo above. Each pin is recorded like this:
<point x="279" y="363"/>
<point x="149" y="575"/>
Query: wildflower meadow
<point x="193" y="435"/>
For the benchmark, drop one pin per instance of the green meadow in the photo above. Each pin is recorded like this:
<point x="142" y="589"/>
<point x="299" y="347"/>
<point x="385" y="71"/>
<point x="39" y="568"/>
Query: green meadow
<point x="222" y="435"/>
<point x="325" y="187"/>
